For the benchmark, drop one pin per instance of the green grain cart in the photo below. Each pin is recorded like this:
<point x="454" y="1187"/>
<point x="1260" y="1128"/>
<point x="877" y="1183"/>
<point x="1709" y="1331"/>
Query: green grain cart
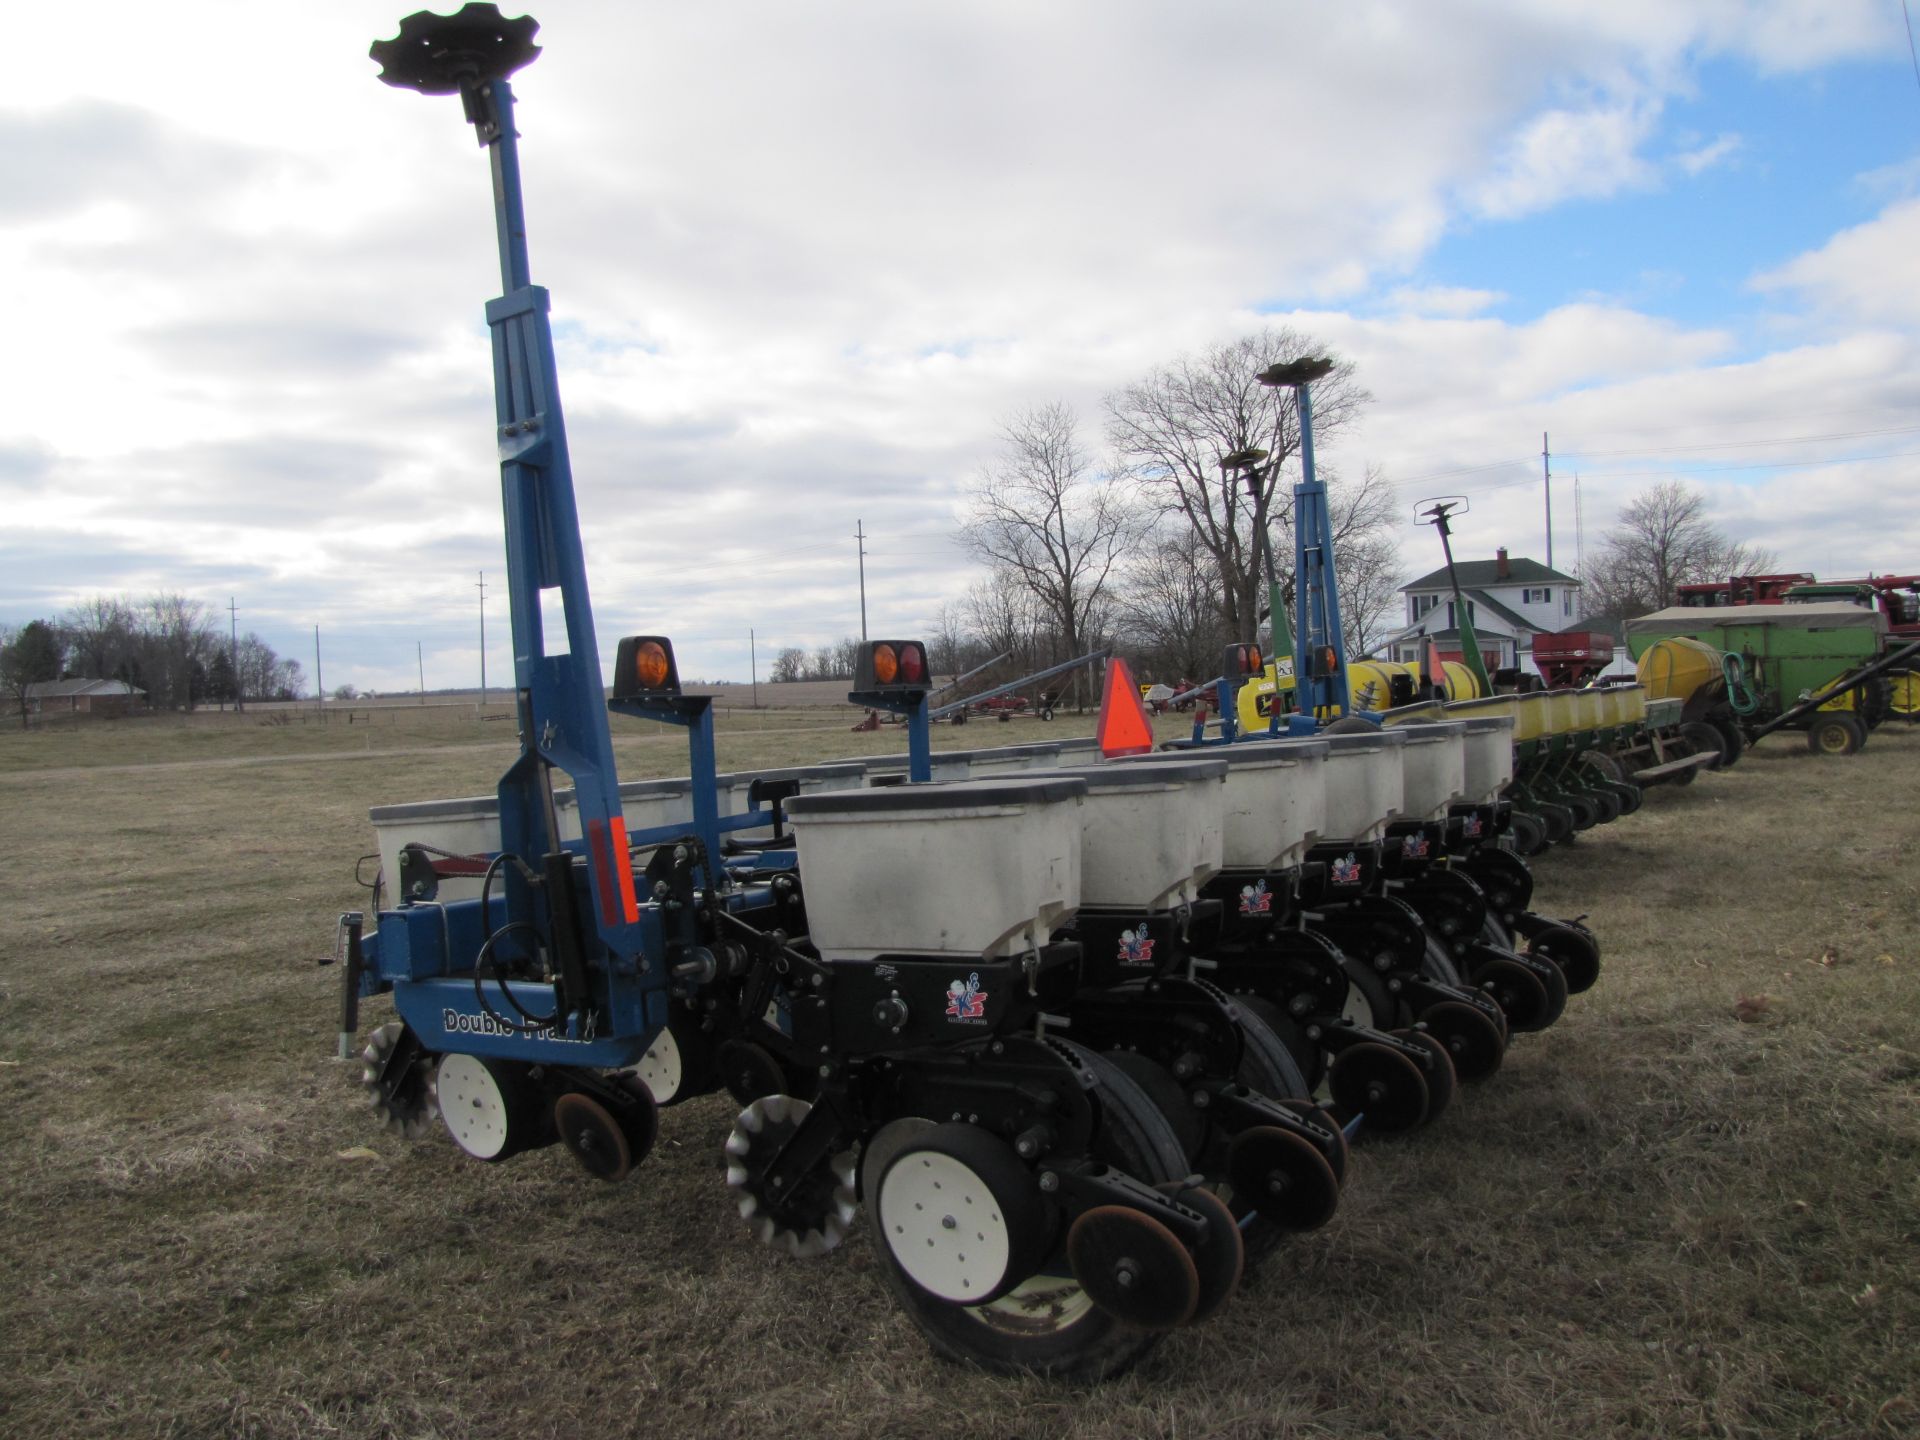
<point x="1791" y="656"/>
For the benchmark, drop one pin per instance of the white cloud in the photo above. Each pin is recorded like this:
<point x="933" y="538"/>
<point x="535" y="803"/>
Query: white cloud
<point x="1705" y="157"/>
<point x="1869" y="274"/>
<point x="1569" y="155"/>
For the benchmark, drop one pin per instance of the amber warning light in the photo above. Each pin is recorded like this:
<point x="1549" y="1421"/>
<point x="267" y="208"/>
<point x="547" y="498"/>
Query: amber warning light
<point x="892" y="665"/>
<point x="645" y="666"/>
<point x="1240" y="661"/>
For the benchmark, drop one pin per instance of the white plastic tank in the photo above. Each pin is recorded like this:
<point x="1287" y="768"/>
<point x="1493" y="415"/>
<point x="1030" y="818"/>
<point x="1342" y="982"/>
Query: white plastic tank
<point x="981" y="869"/>
<point x="471" y="825"/>
<point x="1433" y="768"/>
<point x="1276" y="798"/>
<point x="1365" y="783"/>
<point x="1150" y="836"/>
<point x="1489" y="758"/>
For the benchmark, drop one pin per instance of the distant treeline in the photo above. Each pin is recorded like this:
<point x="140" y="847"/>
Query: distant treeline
<point x="167" y="645"/>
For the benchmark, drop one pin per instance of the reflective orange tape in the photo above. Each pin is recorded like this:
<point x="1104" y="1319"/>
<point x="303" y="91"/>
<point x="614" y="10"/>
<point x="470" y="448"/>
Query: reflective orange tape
<point x="623" y="869"/>
<point x="602" y="870"/>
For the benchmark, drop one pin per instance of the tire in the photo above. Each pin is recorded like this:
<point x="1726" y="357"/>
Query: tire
<point x="1903" y="688"/>
<point x="1876" y="701"/>
<point x="1608" y="767"/>
<point x="1268" y="1067"/>
<point x="1705" y="739"/>
<point x="1585" y="810"/>
<point x="1630" y="795"/>
<point x="1733" y="738"/>
<point x="1438" y="963"/>
<point x="1606" y="802"/>
<point x="1529" y="833"/>
<point x="1048" y="1326"/>
<point x="1369" y="1001"/>
<point x="1835" y="733"/>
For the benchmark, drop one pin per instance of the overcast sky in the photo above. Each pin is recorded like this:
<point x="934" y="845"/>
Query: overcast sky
<point x="806" y="255"/>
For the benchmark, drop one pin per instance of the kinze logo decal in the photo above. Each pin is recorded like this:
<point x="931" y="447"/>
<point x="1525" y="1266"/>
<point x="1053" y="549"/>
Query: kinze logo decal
<point x="1136" y="947"/>
<point x="966" y="1001"/>
<point x="458" y="1022"/>
<point x="1471" y="830"/>
<point x="1256" y="899"/>
<point x="1347" y="871"/>
<point x="1415" y="847"/>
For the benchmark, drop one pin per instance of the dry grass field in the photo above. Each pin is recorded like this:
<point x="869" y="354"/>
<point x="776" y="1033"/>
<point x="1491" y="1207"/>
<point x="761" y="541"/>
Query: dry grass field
<point x="1690" y="1209"/>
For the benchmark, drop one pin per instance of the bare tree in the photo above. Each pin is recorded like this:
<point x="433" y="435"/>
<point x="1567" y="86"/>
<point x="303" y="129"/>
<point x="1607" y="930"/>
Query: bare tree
<point x="1366" y="561"/>
<point x="1002" y="612"/>
<point x="102" y="634"/>
<point x="1663" y="540"/>
<point x="1171" y="606"/>
<point x="1173" y="428"/>
<point x="789" y="664"/>
<point x="28" y="656"/>
<point x="1045" y="518"/>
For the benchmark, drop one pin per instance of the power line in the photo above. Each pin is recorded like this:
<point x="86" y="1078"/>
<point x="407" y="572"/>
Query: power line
<point x="1908" y="16"/>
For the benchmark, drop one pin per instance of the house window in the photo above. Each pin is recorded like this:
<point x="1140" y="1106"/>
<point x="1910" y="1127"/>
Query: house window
<point x="1453" y="624"/>
<point x="1541" y="596"/>
<point x="1422" y="604"/>
<point x="1566" y="603"/>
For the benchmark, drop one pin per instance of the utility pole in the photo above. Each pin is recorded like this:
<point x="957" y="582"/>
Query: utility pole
<point x="421" y="656"/>
<point x="859" y="533"/>
<point x="483" y="643"/>
<point x="319" y="685"/>
<point x="233" y="651"/>
<point x="753" y="668"/>
<point x="1546" y="474"/>
<point x="1579" y="532"/>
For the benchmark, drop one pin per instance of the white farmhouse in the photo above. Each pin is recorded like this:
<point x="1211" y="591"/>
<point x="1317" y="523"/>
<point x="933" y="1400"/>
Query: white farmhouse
<point x="1508" y="601"/>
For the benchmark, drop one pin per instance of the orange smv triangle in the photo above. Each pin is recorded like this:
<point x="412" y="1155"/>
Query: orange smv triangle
<point x="1124" y="727"/>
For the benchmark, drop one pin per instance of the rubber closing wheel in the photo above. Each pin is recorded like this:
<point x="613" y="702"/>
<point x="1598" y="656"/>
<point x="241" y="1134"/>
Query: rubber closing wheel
<point x="1471" y="1037"/>
<point x="1529" y="833"/>
<point x="593" y="1136"/>
<point x="1519" y="993"/>
<point x="1133" y="1267"/>
<point x="1575" y="955"/>
<point x="1189" y="1125"/>
<point x="1049" y="1324"/>
<point x="1221" y="1257"/>
<point x="1438" y="1073"/>
<point x="961" y="1216"/>
<point x="1335" y="1150"/>
<point x="1380" y="1083"/>
<point x="491" y="1108"/>
<point x="1282" y="1177"/>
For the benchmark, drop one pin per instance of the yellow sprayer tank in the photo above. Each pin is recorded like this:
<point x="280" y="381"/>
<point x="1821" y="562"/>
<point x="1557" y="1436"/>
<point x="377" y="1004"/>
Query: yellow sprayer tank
<point x="1677" y="667"/>
<point x="1370" y="683"/>
<point x="1459" y="681"/>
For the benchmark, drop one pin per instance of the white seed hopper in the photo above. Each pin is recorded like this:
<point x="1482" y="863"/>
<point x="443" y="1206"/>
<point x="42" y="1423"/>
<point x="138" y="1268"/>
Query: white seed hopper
<point x="1276" y="798"/>
<point x="981" y="869"/>
<point x="1433" y="768"/>
<point x="1151" y="835"/>
<point x="1489" y="758"/>
<point x="1365" y="784"/>
<point x="471" y="825"/>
